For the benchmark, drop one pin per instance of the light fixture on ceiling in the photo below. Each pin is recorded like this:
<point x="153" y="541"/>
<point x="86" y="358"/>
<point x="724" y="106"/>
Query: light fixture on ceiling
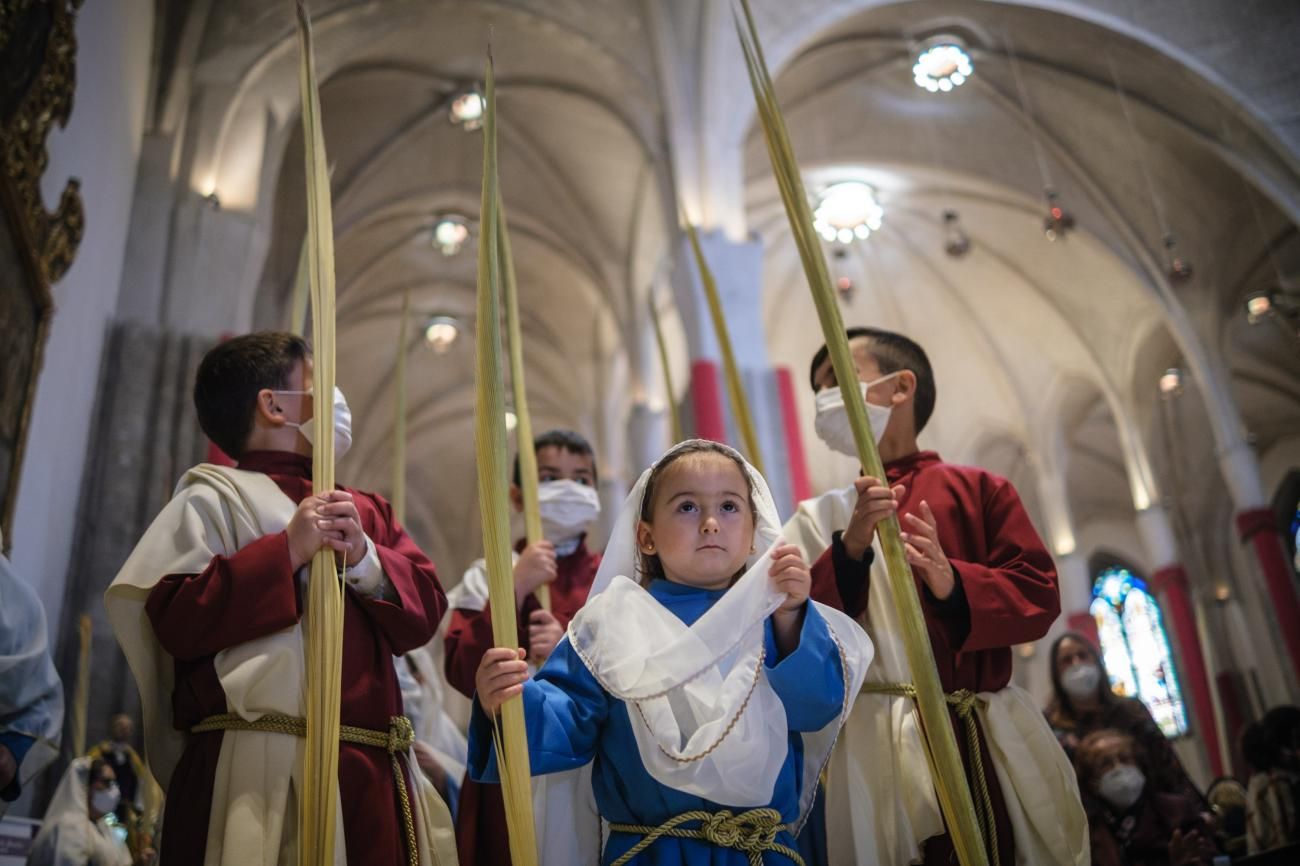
<point x="1058" y="221"/>
<point x="440" y="333"/>
<point x="847" y="211"/>
<point x="467" y="109"/>
<point x="1259" y="305"/>
<point x="956" y="243"/>
<point x="1171" y="382"/>
<point x="1180" y="269"/>
<point x="943" y="64"/>
<point x="450" y="233"/>
<point x="512" y="420"/>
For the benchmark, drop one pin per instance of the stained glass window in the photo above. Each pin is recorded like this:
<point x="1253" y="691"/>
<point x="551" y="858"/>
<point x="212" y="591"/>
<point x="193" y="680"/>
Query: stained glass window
<point x="1135" y="648"/>
<point x="1295" y="539"/>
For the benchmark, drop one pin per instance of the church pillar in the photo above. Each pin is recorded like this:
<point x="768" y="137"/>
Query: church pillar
<point x="1169" y="581"/>
<point x="1072" y="573"/>
<point x="737" y="268"/>
<point x="1259" y="528"/>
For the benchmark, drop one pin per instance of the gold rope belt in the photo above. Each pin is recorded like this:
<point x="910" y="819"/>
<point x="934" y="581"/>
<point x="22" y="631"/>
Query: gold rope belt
<point x="396" y="740"/>
<point x="963" y="702"/>
<point x="752" y="832"/>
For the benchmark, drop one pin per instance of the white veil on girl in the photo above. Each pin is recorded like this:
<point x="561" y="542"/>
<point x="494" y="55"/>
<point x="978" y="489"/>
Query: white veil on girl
<point x="705" y="717"/>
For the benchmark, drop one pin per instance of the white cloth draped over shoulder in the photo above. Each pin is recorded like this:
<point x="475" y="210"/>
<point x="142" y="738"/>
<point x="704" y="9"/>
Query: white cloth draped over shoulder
<point x="881" y="804"/>
<point x="219" y="510"/>
<point x="68" y="837"/>
<point x="31" y="694"/>
<point x="702" y="690"/>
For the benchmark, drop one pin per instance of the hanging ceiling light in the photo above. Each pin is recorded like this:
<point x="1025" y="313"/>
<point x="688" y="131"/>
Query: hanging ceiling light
<point x="1171" y="382"/>
<point x="467" y="109"/>
<point x="1259" y="305"/>
<point x="942" y="65"/>
<point x="1180" y="269"/>
<point x="440" y="333"/>
<point x="844" y="286"/>
<point x="956" y="242"/>
<point x="1058" y="220"/>
<point x="450" y="233"/>
<point x="847" y="211"/>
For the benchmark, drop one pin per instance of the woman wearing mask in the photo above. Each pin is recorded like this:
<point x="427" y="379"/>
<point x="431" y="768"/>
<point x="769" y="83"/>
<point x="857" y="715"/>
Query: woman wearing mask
<point x="79" y="828"/>
<point x="1083" y="702"/>
<point x="1132" y="821"/>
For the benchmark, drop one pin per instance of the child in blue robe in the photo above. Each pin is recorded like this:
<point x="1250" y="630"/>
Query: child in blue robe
<point x="708" y="693"/>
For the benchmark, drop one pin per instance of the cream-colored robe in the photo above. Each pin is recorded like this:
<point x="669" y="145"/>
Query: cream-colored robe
<point x="219" y="510"/>
<point x="880" y="799"/>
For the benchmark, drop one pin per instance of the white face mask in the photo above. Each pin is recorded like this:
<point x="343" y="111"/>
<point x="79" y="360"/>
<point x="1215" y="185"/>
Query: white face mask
<point x="832" y="424"/>
<point x="1080" y="680"/>
<point x="342" y="423"/>
<point x="1122" y="785"/>
<point x="105" y="800"/>
<point x="567" y="508"/>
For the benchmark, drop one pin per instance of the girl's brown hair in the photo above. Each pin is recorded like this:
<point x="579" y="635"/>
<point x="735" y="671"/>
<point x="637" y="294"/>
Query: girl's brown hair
<point x="648" y="565"/>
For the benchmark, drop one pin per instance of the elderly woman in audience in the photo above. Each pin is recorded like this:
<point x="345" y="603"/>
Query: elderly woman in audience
<point x="1132" y="820"/>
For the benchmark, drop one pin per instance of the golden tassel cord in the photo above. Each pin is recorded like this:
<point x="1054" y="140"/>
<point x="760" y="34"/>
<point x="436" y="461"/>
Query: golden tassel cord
<point x="735" y="388"/>
<point x="399" y="411"/>
<point x="81" y="697"/>
<point x="674" y="413"/>
<point x="523" y="419"/>
<point x="493" y="485"/>
<point x="945" y="761"/>
<point x="323" y="618"/>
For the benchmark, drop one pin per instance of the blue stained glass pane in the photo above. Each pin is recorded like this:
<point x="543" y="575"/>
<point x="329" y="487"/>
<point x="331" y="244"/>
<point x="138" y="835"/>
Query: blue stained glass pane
<point x="1295" y="538"/>
<point x="1135" y="647"/>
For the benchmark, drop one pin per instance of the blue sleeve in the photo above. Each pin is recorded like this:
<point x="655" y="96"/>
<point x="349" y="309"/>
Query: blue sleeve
<point x="18" y="745"/>
<point x="564" y="710"/>
<point x="810" y="680"/>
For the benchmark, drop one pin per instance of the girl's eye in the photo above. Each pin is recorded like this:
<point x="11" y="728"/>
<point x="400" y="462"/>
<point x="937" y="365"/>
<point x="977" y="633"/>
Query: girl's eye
<point x="730" y="506"/>
<point x="686" y="507"/>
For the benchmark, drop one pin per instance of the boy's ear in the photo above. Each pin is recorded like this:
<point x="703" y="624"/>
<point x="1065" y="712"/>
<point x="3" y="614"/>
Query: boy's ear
<point x="645" y="540"/>
<point x="906" y="389"/>
<point x="517" y="497"/>
<point x="267" y="410"/>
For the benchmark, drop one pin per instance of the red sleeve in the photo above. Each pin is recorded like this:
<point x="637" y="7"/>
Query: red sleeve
<point x="413" y="620"/>
<point x="839" y="580"/>
<point x="1013" y="596"/>
<point x="235" y="599"/>
<point x="469" y="637"/>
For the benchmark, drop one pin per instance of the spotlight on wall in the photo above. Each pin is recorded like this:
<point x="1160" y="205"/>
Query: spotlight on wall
<point x="1171" y="382"/>
<point x="956" y="243"/>
<point x="1058" y="221"/>
<point x="943" y="64"/>
<point x="1180" y="269"/>
<point x="467" y="109"/>
<point x="450" y="233"/>
<point x="440" y="333"/>
<point x="844" y="286"/>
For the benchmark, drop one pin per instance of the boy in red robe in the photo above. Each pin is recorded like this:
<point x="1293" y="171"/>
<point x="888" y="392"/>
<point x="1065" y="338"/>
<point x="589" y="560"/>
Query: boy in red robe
<point x="208" y="610"/>
<point x="986" y="583"/>
<point x="566" y="468"/>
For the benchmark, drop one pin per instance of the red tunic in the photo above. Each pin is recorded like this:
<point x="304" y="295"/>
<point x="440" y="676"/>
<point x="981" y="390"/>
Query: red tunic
<point x="1006" y="592"/>
<point x="252" y="594"/>
<point x="481" y="837"/>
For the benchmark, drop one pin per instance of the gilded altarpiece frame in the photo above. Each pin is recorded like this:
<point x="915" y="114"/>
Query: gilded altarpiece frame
<point x="37" y="76"/>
